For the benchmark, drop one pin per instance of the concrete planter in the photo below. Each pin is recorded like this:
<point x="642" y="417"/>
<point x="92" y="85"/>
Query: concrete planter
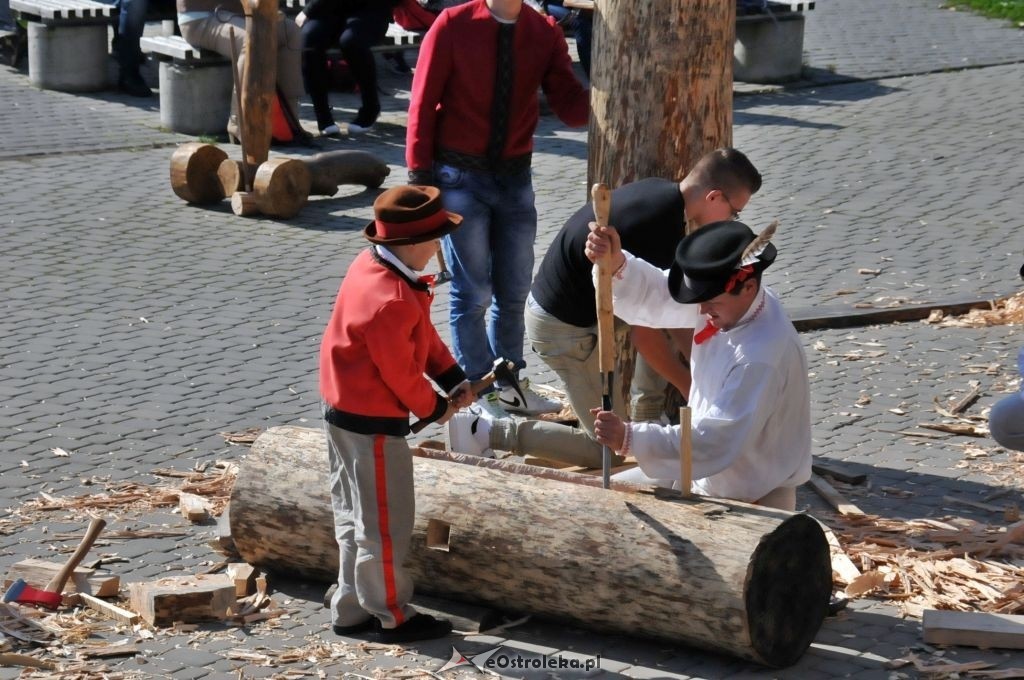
<point x="769" y="48"/>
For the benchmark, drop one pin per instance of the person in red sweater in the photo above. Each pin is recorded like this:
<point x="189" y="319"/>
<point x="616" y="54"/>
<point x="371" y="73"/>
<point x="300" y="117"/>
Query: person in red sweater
<point x="472" y="116"/>
<point x="376" y="351"/>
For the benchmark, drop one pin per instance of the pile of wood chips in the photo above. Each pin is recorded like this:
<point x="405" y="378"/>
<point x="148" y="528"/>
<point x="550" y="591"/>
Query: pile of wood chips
<point x="211" y="482"/>
<point x="956" y="563"/>
<point x="1004" y="312"/>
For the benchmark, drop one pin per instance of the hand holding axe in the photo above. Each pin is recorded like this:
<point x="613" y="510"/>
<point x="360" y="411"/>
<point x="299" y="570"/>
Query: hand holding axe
<point x="501" y="370"/>
<point x="50" y="596"/>
<point x="602" y="197"/>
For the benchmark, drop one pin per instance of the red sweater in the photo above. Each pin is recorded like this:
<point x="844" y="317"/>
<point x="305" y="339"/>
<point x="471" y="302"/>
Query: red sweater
<point x="454" y="84"/>
<point x="376" y="349"/>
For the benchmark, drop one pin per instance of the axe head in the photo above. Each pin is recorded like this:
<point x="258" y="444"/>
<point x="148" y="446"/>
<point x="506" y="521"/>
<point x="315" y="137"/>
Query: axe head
<point x="23" y="593"/>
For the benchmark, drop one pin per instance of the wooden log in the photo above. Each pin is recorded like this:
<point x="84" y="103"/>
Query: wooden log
<point x="183" y="598"/>
<point x="194" y="169"/>
<point x="231" y="176"/>
<point x="973" y="629"/>
<point x="281" y="187"/>
<point x="243" y="204"/>
<point x="743" y="580"/>
<point x="37" y="573"/>
<point x="661" y="87"/>
<point x="331" y="169"/>
<point x="259" y="80"/>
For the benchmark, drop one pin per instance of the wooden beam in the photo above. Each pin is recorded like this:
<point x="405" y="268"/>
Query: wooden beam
<point x="833" y="497"/>
<point x="973" y="629"/>
<point x="110" y="610"/>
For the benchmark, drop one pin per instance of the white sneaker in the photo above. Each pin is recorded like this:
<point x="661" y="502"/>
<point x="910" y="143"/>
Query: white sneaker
<point x="470" y="432"/>
<point x="331" y="130"/>
<point x="488" y="403"/>
<point x="526" y="401"/>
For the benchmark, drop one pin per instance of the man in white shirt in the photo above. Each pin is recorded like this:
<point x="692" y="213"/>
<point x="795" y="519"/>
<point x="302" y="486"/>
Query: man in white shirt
<point x="750" y="397"/>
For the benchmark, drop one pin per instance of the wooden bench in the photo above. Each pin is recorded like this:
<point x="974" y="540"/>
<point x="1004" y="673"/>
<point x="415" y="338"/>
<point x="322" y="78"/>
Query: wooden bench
<point x="195" y="86"/>
<point x="67" y="43"/>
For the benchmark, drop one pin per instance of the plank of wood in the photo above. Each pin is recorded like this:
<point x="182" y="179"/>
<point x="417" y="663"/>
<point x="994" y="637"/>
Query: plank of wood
<point x="833" y="497"/>
<point x="837" y="472"/>
<point x="977" y="505"/>
<point x="842" y="565"/>
<point x="973" y="629"/>
<point x="25" y="661"/>
<point x="967" y="399"/>
<point x="37" y="573"/>
<point x="108" y="609"/>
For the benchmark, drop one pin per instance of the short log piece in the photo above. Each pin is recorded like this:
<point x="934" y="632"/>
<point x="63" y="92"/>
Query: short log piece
<point x="183" y="598"/>
<point x="744" y="580"/>
<point x="194" y="169"/>
<point x="281" y="187"/>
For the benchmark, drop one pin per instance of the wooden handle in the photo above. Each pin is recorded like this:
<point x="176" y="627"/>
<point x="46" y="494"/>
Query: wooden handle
<point x="56" y="584"/>
<point x="685" y="451"/>
<point x="602" y="198"/>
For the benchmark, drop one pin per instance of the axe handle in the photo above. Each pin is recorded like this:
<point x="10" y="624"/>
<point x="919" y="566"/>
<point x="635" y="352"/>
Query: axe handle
<point x="685" y="451"/>
<point x="56" y="584"/>
<point x="602" y="198"/>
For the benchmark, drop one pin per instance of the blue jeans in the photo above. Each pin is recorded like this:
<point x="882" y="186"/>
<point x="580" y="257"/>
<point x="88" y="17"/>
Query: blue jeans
<point x="491" y="260"/>
<point x="131" y="24"/>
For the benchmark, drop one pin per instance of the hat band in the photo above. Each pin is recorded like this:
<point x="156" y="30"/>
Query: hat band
<point x="739" y="276"/>
<point x="392" y="230"/>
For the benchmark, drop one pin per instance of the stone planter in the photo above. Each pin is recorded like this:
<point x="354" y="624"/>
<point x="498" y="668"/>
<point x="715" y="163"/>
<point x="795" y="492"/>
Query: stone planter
<point x="769" y="47"/>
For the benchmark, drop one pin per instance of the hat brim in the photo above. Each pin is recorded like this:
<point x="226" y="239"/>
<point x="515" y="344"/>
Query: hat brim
<point x="450" y="225"/>
<point x="686" y="290"/>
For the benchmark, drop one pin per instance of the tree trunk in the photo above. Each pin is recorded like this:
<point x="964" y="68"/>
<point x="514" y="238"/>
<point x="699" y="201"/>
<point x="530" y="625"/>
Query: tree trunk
<point x="194" y="169"/>
<point x="259" y="80"/>
<point x="660" y="97"/>
<point x="726" y="576"/>
<point x="661" y="87"/>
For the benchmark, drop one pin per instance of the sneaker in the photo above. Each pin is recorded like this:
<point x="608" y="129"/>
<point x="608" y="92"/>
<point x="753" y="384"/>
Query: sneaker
<point x="331" y="130"/>
<point x="419" y="627"/>
<point x="355" y="128"/>
<point x="355" y="629"/>
<point x="523" y="400"/>
<point x="470" y="432"/>
<point x="488" y="403"/>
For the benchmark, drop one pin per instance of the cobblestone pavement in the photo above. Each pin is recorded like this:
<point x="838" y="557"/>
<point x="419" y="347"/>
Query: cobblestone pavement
<point x="137" y="328"/>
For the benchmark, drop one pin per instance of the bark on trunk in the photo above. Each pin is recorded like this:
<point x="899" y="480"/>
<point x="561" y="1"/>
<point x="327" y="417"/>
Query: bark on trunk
<point x="258" y="80"/>
<point x="661" y="87"/>
<point x="744" y="580"/>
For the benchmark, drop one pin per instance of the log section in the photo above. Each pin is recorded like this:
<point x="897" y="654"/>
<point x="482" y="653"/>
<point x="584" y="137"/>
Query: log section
<point x="735" y="578"/>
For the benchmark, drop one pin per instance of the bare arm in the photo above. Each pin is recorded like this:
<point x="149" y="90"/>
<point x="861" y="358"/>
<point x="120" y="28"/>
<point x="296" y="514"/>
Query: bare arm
<point x="659" y="351"/>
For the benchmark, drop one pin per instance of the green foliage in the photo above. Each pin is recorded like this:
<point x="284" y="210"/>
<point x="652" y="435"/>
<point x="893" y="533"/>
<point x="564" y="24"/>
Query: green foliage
<point x="997" y="9"/>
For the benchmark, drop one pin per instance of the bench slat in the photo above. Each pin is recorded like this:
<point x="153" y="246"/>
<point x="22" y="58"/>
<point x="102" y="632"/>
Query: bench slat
<point x="176" y="48"/>
<point x="69" y="10"/>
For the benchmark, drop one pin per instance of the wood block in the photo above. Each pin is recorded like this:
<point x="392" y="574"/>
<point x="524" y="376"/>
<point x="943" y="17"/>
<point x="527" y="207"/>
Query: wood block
<point x="37" y="573"/>
<point x="244" y="577"/>
<point x="183" y="598"/>
<point x="973" y="629"/>
<point x="110" y="610"/>
<point x="194" y="508"/>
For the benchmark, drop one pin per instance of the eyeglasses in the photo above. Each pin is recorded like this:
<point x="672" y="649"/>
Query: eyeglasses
<point x="735" y="213"/>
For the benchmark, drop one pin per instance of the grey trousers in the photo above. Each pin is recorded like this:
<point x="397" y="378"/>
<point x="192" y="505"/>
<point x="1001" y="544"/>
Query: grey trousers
<point x="374" y="506"/>
<point x="214" y="34"/>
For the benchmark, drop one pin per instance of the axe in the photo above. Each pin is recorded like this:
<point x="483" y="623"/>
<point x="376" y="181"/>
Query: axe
<point x="50" y="596"/>
<point x="501" y="370"/>
<point x="605" y="320"/>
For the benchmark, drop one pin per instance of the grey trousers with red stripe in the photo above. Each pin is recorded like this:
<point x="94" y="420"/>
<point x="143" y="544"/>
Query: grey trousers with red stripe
<point x="374" y="506"/>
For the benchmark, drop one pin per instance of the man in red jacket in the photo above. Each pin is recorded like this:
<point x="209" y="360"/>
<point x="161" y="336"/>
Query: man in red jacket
<point x="472" y="117"/>
<point x="378" y="346"/>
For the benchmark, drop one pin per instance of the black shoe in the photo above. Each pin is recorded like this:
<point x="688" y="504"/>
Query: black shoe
<point x="367" y="625"/>
<point x="419" y="627"/>
<point x="134" y="85"/>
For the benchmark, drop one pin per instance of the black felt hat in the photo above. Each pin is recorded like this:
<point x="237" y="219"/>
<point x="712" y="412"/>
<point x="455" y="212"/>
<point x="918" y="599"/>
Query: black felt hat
<point x="712" y="259"/>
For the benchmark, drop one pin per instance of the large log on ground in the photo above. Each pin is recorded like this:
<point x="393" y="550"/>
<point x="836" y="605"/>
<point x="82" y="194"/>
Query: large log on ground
<point x="735" y="578"/>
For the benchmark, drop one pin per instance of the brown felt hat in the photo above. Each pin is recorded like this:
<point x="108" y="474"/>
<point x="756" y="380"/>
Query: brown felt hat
<point x="410" y="214"/>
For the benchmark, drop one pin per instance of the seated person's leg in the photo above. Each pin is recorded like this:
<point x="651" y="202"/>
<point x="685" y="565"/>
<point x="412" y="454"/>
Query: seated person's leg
<point x="362" y="32"/>
<point x="289" y="63"/>
<point x="132" y="22"/>
<point x="317" y="36"/>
